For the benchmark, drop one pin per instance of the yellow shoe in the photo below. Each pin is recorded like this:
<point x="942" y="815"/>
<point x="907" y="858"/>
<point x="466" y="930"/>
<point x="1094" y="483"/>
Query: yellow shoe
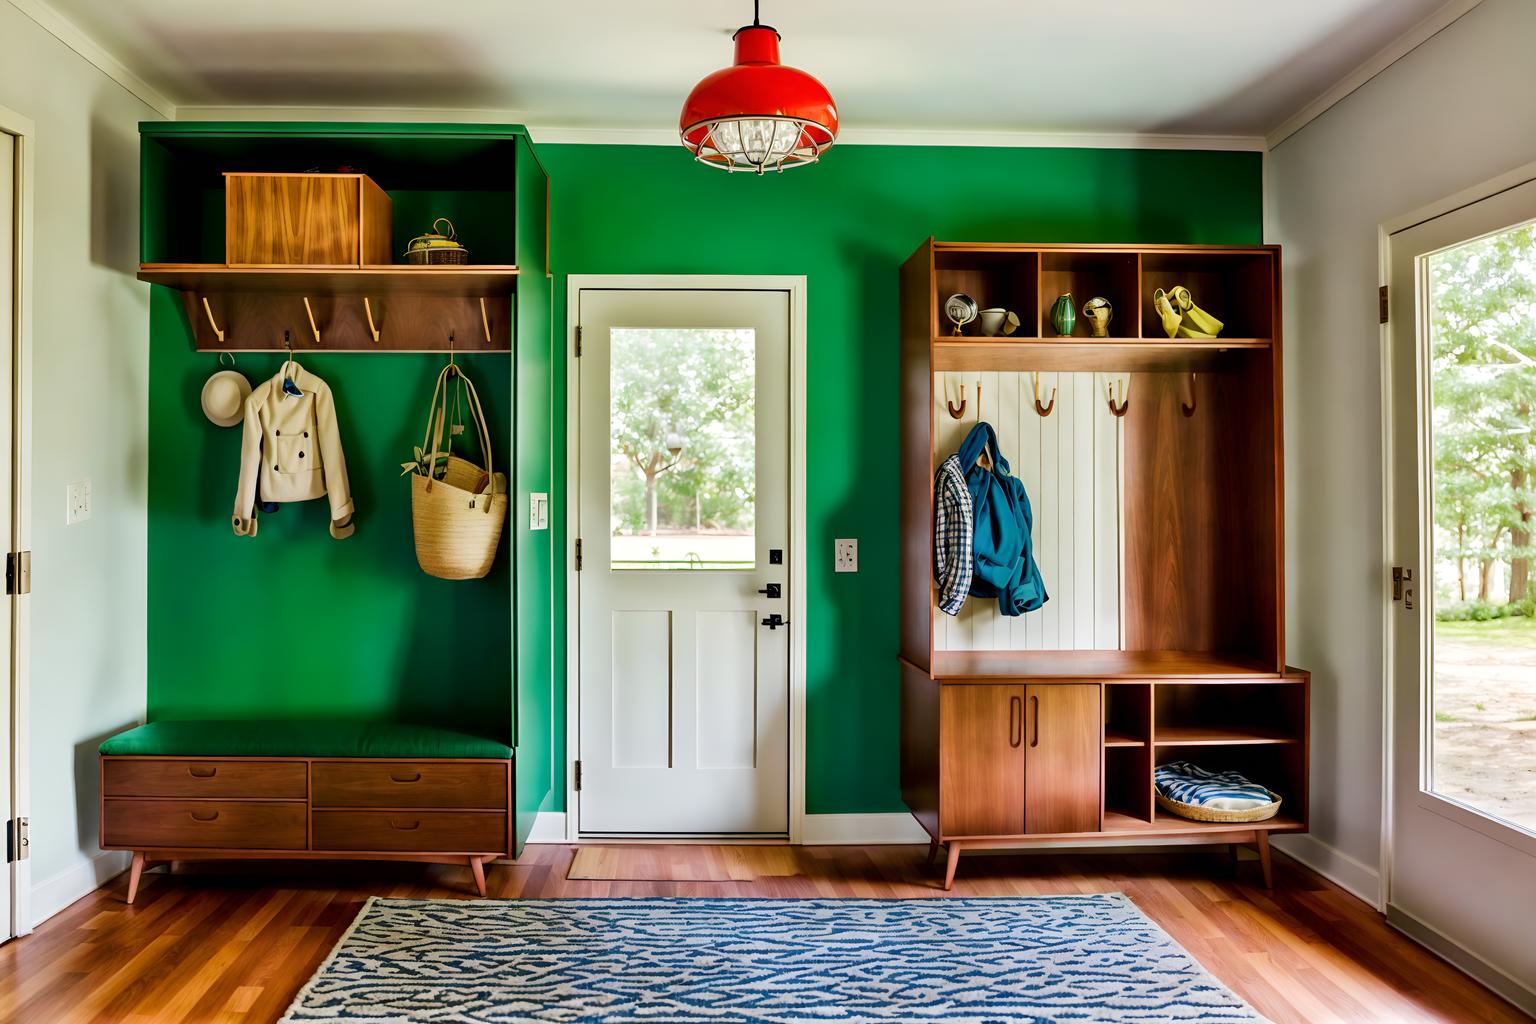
<point x="1180" y="298"/>
<point x="1171" y="319"/>
<point x="1190" y="332"/>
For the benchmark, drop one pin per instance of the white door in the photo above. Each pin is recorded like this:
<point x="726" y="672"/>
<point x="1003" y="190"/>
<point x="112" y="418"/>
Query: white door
<point x="683" y="512"/>
<point x="9" y="339"/>
<point x="1462" y="460"/>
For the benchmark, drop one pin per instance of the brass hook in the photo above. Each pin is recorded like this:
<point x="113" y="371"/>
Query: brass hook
<point x="1189" y="406"/>
<point x="211" y="322"/>
<point x="372" y="328"/>
<point x="1043" y="410"/>
<point x="485" y="320"/>
<point x="978" y="400"/>
<point x="311" y="314"/>
<point x="953" y="412"/>
<point x="1124" y="391"/>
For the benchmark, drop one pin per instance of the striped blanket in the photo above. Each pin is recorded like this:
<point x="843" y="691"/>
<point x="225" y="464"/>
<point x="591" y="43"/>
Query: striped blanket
<point x="1185" y="783"/>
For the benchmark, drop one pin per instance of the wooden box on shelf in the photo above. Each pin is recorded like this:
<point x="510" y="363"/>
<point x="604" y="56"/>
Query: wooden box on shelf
<point x="314" y="220"/>
<point x="1007" y="748"/>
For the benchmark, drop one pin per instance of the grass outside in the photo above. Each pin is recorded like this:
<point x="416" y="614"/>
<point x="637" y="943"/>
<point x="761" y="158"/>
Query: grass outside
<point x="1485" y="716"/>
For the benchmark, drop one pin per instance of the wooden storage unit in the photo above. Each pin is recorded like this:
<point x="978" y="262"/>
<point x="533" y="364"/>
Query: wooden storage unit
<point x="1012" y="747"/>
<point x="183" y="808"/>
<point x="339" y="220"/>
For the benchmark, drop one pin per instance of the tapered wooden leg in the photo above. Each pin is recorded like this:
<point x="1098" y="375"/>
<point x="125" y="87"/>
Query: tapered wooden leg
<point x="1261" y="840"/>
<point x="933" y="851"/>
<point x="1232" y="852"/>
<point x="954" y="862"/>
<point x="477" y="868"/>
<point x="134" y="872"/>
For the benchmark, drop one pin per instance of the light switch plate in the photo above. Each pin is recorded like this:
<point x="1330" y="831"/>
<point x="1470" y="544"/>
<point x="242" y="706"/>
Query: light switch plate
<point x="77" y="502"/>
<point x="846" y="556"/>
<point x="538" y="511"/>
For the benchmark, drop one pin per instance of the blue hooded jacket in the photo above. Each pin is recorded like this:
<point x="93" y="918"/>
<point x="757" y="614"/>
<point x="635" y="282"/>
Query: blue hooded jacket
<point x="1002" y="545"/>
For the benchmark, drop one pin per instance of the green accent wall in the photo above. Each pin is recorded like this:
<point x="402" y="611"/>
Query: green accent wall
<point x="847" y="224"/>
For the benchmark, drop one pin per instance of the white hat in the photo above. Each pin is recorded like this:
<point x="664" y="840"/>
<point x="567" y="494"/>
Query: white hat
<point x="224" y="397"/>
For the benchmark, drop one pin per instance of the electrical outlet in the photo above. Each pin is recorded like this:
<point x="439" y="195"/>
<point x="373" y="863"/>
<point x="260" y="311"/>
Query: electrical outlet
<point x="846" y="557"/>
<point x="77" y="502"/>
<point x="538" y="511"/>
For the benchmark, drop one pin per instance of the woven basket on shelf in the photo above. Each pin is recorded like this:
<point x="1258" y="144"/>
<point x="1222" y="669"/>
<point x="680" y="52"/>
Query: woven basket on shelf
<point x="1196" y="812"/>
<point x="457" y="518"/>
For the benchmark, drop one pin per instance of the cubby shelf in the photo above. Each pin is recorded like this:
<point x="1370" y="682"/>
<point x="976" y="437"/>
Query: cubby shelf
<point x="1123" y="354"/>
<point x="473" y="281"/>
<point x="1205" y="736"/>
<point x="1113" y="738"/>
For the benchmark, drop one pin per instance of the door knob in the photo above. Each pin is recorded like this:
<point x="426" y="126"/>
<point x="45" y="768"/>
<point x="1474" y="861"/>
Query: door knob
<point x="773" y="590"/>
<point x="774" y="621"/>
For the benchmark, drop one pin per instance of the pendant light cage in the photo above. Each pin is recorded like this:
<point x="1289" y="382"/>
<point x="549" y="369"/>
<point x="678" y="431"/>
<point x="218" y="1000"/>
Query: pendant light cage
<point x="757" y="143"/>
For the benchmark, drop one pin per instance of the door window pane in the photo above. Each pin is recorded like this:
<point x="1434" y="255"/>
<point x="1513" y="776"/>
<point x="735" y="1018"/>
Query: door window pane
<point x="683" y="477"/>
<point x="1482" y="309"/>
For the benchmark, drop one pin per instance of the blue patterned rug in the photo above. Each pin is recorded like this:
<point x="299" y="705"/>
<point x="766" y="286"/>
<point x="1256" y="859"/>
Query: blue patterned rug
<point x="625" y="961"/>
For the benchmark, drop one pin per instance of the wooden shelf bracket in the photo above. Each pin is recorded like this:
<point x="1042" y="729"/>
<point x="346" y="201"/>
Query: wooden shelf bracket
<point x="372" y="327"/>
<point x="217" y="332"/>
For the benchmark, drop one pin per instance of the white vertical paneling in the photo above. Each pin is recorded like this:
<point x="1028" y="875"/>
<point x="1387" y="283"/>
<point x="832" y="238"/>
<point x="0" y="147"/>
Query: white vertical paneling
<point x="642" y="689"/>
<point x="1069" y="463"/>
<point x="727" y="679"/>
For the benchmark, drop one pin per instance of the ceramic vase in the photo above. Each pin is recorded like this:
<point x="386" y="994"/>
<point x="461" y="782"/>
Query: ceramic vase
<point x="1064" y="315"/>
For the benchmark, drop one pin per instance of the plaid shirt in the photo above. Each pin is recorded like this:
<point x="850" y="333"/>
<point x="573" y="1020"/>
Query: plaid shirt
<point x="953" y="523"/>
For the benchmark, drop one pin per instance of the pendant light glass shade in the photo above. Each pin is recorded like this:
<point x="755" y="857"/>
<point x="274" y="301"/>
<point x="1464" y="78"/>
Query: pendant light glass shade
<point x="758" y="114"/>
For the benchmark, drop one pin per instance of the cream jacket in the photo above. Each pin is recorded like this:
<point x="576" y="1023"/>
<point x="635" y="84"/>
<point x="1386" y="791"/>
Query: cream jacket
<point x="291" y="450"/>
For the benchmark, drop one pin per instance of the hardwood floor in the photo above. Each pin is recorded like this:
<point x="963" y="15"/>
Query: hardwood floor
<point x="233" y="942"/>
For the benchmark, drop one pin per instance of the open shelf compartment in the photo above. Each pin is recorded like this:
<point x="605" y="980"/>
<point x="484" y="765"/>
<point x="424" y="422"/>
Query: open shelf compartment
<point x="1006" y="280"/>
<point x="1086" y="275"/>
<point x="1237" y="288"/>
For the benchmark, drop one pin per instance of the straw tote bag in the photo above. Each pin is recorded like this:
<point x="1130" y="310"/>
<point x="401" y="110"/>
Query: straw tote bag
<point x="456" y="518"/>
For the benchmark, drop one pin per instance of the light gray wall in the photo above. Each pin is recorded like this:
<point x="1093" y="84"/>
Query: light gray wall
<point x="90" y="384"/>
<point x="1455" y="112"/>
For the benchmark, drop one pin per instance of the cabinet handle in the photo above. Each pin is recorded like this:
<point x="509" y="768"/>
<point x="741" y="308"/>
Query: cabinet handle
<point x="1034" y="709"/>
<point x="212" y="816"/>
<point x="202" y="773"/>
<point x="406" y="777"/>
<point x="412" y="827"/>
<point x="1015" y="722"/>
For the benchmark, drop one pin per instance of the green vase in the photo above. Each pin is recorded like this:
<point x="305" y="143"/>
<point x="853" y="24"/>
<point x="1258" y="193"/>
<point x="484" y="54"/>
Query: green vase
<point x="1064" y="315"/>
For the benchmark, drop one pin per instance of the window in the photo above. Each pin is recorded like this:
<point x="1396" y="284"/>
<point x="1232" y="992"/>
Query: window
<point x="682" y="483"/>
<point x="1482" y="314"/>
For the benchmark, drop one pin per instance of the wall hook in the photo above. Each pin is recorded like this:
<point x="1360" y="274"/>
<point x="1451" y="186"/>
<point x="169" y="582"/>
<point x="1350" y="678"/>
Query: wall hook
<point x="953" y="412"/>
<point x="1122" y="388"/>
<point x="211" y="322"/>
<point x="1043" y="410"/>
<point x="1189" y="406"/>
<point x="311" y="313"/>
<point x="372" y="329"/>
<point x="978" y="401"/>
<point x="485" y="321"/>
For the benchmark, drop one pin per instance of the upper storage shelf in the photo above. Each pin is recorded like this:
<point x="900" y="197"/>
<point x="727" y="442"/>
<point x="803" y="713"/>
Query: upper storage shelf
<point x="215" y="227"/>
<point x="1236" y="285"/>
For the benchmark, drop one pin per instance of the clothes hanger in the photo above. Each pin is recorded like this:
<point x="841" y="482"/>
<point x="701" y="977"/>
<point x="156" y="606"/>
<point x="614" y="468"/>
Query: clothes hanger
<point x="290" y="389"/>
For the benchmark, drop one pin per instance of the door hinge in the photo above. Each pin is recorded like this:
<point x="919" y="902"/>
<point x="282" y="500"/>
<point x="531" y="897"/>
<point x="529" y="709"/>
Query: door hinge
<point x="578" y="776"/>
<point x="1401" y="586"/>
<point x="18" y="843"/>
<point x="18" y="572"/>
<point x="1383" y="301"/>
<point x="578" y="341"/>
<point x="578" y="554"/>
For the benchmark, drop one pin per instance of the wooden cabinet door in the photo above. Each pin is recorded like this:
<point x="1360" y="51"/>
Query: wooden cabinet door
<point x="1063" y="758"/>
<point x="981" y="759"/>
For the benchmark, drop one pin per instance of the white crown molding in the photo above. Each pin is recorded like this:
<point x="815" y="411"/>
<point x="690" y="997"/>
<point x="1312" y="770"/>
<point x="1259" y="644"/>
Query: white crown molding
<point x="565" y="135"/>
<point x="74" y="37"/>
<point x="1379" y="62"/>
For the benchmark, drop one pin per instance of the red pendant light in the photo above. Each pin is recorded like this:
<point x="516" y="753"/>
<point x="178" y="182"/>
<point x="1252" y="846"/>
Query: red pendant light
<point x="758" y="114"/>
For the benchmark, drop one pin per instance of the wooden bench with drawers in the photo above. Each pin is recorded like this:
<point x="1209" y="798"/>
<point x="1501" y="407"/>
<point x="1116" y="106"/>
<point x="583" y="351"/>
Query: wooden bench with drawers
<point x="364" y="791"/>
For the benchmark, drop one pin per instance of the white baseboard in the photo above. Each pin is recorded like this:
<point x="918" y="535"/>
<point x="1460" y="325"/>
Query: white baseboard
<point x="73" y="883"/>
<point x="1335" y="865"/>
<point x="548" y="827"/>
<point x="861" y="830"/>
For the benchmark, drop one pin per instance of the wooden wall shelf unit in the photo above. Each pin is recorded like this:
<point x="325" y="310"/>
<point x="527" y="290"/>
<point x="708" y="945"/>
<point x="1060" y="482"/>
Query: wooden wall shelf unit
<point x="1008" y="748"/>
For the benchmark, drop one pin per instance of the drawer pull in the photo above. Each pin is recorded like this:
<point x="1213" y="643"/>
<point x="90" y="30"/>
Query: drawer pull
<point x="405" y="777"/>
<point x="202" y="773"/>
<point x="412" y="827"/>
<point x="211" y="816"/>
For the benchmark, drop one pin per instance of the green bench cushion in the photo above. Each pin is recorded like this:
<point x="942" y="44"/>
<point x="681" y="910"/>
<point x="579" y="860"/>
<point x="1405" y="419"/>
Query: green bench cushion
<point x="299" y="739"/>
